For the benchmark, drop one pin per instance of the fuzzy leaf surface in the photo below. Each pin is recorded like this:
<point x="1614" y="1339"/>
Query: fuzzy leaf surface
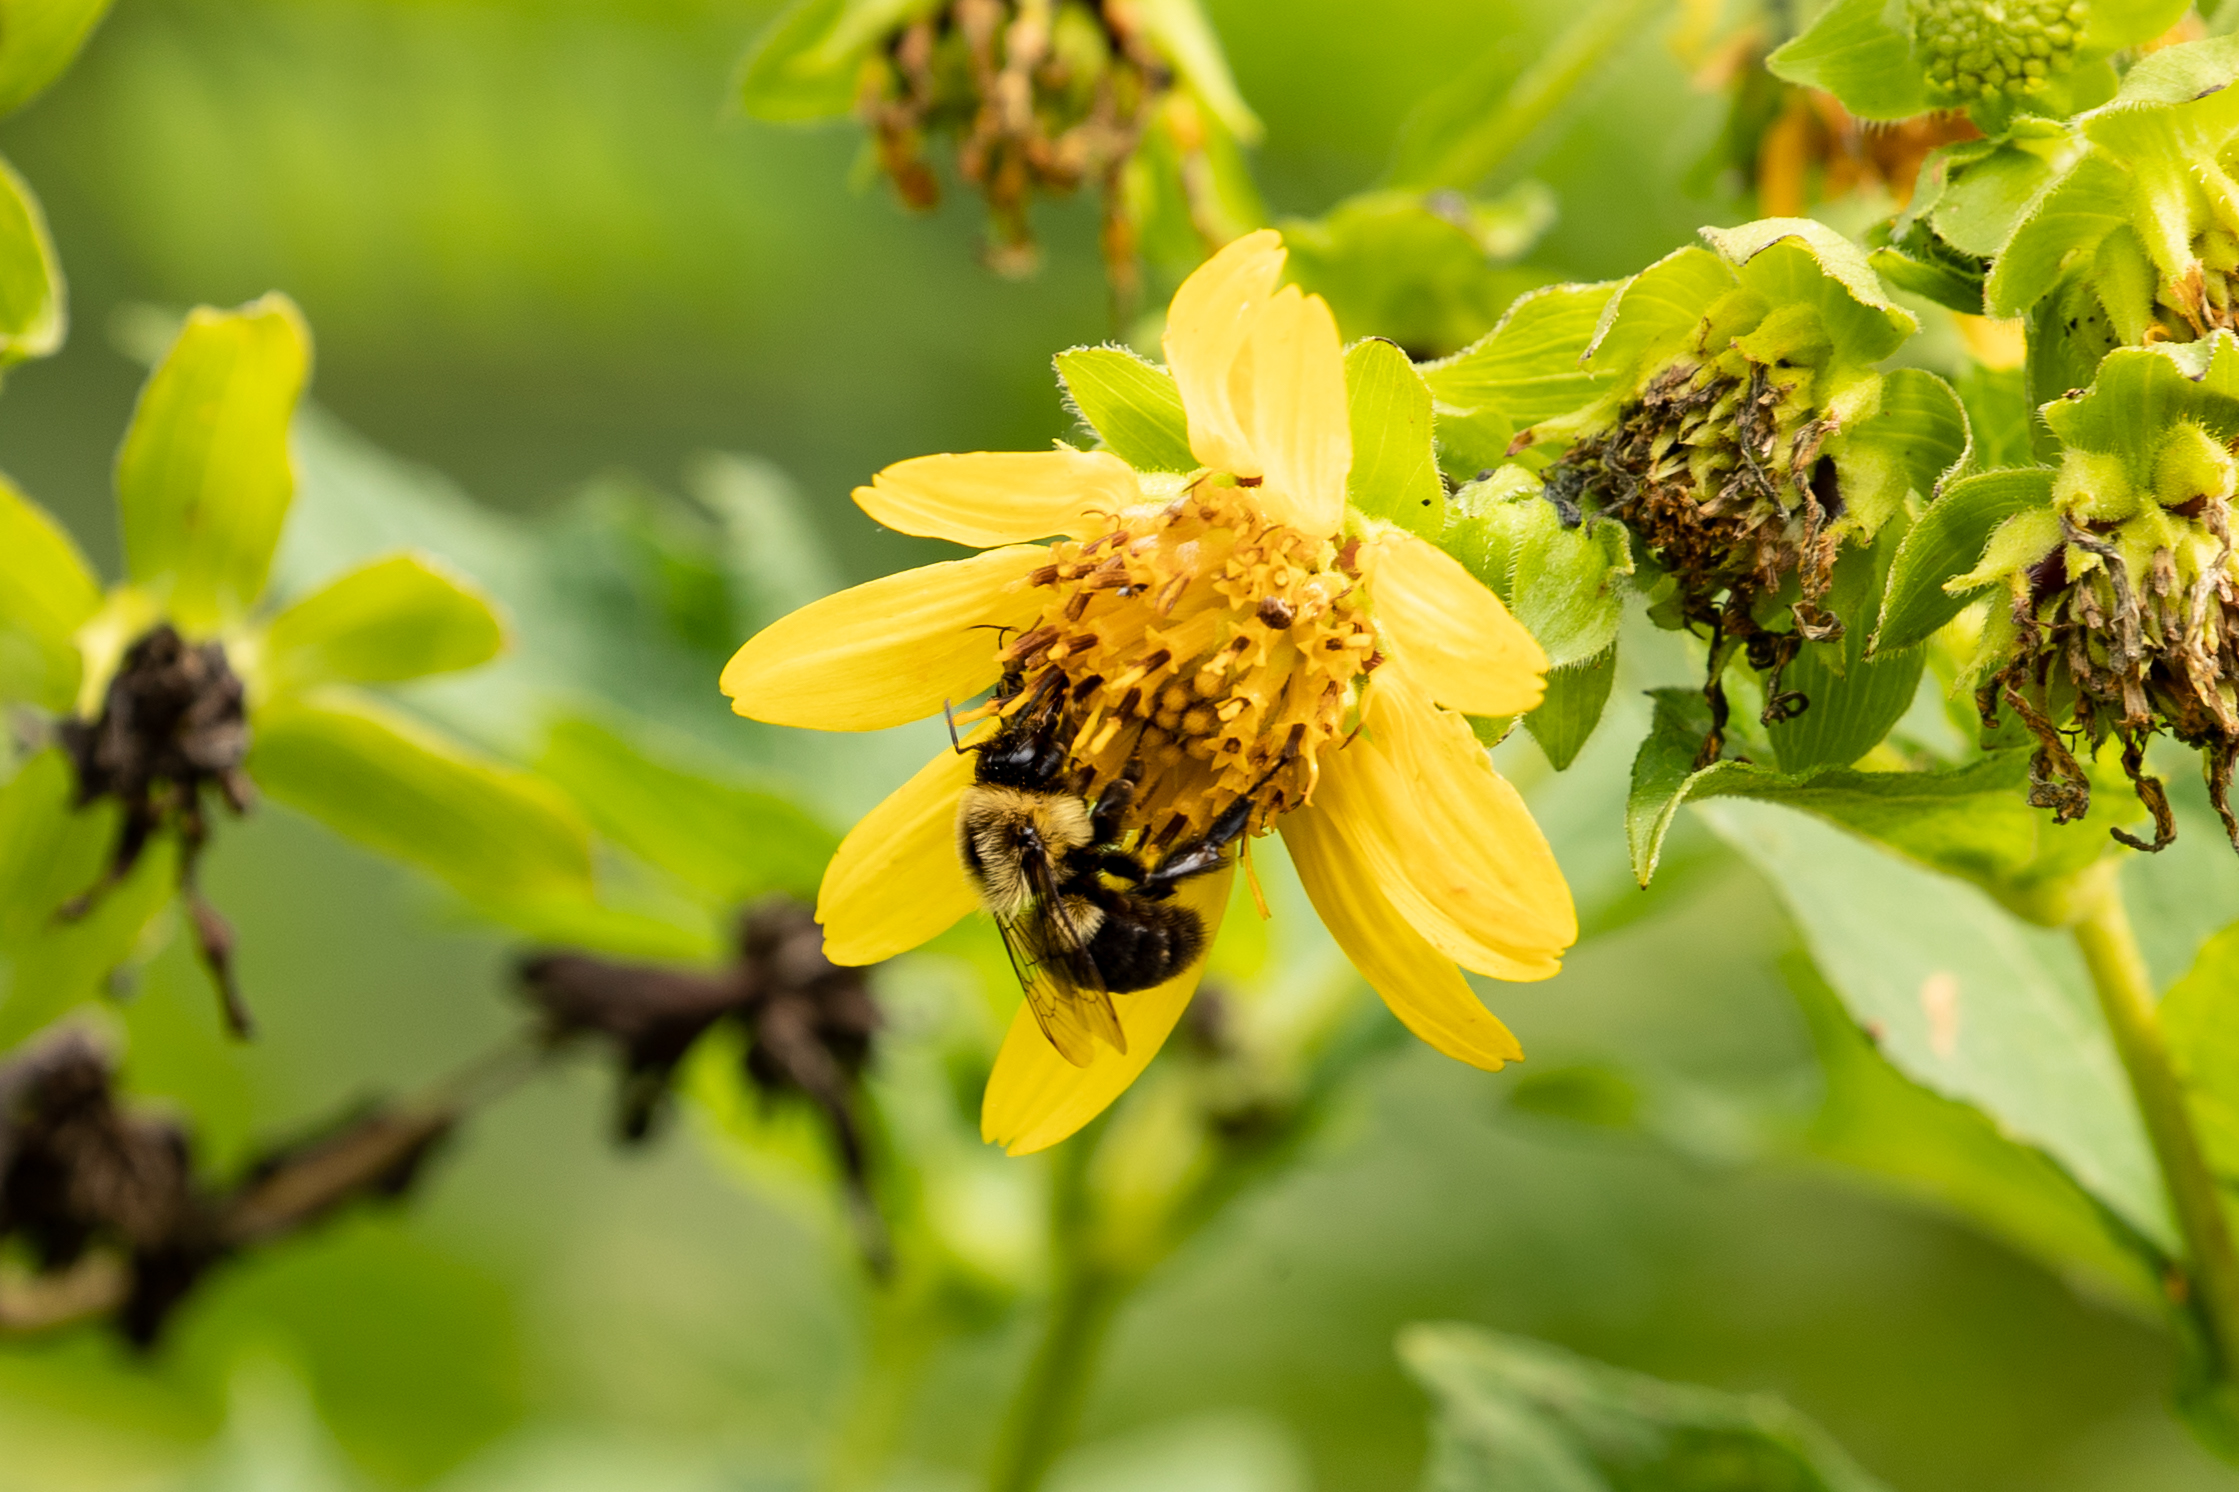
<point x="1576" y="696"/>
<point x="1133" y="406"/>
<point x="1564" y="584"/>
<point x="1852" y="52"/>
<point x="1947" y="541"/>
<point x="1395" y="470"/>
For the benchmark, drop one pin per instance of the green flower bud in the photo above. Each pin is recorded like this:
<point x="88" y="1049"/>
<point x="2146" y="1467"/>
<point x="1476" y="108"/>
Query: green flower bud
<point x="1976" y="48"/>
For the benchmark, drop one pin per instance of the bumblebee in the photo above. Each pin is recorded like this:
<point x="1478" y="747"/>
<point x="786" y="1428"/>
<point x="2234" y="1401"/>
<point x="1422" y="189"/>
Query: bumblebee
<point x="1082" y="917"/>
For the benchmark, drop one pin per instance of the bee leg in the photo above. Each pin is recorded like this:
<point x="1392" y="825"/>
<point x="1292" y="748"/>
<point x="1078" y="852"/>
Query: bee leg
<point x="1104" y="825"/>
<point x="1209" y="850"/>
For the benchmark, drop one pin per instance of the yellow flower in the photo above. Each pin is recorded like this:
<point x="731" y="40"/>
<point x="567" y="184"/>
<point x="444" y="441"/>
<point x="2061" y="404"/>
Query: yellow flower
<point x="1231" y="632"/>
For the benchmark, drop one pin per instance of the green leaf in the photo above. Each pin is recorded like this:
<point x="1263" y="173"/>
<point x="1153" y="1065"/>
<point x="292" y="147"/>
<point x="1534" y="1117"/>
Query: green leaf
<point x="1799" y="261"/>
<point x="1851" y="709"/>
<point x="1985" y="198"/>
<point x="2200" y="1019"/>
<point x="47" y="592"/>
<point x="52" y="852"/>
<point x="1875" y="1119"/>
<point x="38" y="39"/>
<point x="728" y="841"/>
<point x="497" y="835"/>
<point x="1563" y="584"/>
<point x="1528" y="368"/>
<point x="32" y="319"/>
<point x="1957" y="287"/>
<point x="1133" y="406"/>
<point x="1999" y="416"/>
<point x="1573" y="706"/>
<point x="1973" y="822"/>
<point x="1395" y="472"/>
<point x="804" y="66"/>
<point x="775" y="561"/>
<point x="1962" y="999"/>
<point x="1853" y="52"/>
<point x="1657" y="311"/>
<point x="1947" y="541"/>
<point x="398" y="618"/>
<point x="2069" y="217"/>
<point x="1181" y="32"/>
<point x="204" y="480"/>
<point x="1515" y="1415"/>
<point x="2140" y="392"/>
<point x="1461" y="133"/>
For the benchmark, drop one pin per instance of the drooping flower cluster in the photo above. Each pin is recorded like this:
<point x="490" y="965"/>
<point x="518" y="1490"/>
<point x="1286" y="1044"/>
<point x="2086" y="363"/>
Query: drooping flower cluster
<point x="2116" y="597"/>
<point x="1229" y="634"/>
<point x="1981" y="48"/>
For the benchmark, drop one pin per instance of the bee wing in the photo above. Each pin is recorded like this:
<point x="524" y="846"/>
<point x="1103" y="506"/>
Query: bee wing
<point x="1047" y="950"/>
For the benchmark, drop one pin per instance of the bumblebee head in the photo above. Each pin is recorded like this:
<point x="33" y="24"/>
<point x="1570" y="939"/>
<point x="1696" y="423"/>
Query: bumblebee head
<point x="1024" y="754"/>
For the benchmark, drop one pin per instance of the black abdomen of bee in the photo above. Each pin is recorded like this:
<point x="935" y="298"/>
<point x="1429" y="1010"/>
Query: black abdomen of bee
<point x="1141" y="943"/>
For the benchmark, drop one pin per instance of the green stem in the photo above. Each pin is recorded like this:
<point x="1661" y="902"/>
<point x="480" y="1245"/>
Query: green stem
<point x="1046" y="1410"/>
<point x="2126" y="996"/>
<point x="901" y="1343"/>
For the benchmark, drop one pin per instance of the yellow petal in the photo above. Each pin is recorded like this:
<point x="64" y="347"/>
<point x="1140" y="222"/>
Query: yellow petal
<point x="1036" y="1098"/>
<point x="999" y="497"/>
<point x="888" y="652"/>
<point x="1457" y="639"/>
<point x="1288" y="391"/>
<point x="1419" y="983"/>
<point x="896" y="879"/>
<point x="1445" y="837"/>
<point x="1212" y="313"/>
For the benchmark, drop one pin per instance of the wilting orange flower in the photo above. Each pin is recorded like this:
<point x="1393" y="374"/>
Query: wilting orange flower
<point x="1231" y="633"/>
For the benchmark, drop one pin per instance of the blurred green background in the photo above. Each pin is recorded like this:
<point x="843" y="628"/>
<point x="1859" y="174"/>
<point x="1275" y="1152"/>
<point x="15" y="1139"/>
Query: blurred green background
<point x="537" y="253"/>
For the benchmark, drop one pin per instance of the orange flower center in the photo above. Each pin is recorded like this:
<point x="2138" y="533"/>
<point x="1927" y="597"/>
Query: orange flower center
<point x="1207" y="652"/>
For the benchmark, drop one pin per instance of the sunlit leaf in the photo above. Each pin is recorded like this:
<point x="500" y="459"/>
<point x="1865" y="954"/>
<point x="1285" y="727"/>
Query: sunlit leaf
<point x="47" y="591"/>
<point x="1852" y="51"/>
<point x="1134" y="407"/>
<point x="1563" y="580"/>
<point x="1394" y="474"/>
<point x="1573" y="705"/>
<point x="204" y="480"/>
<point x="1948" y="541"/>
<point x="398" y="618"/>
<point x="371" y="774"/>
<point x="1515" y="1415"/>
<point x="32" y="319"/>
<point x="38" y="39"/>
<point x="1526" y="369"/>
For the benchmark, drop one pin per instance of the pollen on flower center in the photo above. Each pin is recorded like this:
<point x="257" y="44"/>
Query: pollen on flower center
<point x="1211" y="651"/>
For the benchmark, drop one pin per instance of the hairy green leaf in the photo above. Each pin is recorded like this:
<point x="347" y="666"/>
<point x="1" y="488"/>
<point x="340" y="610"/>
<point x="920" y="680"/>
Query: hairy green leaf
<point x="1395" y="472"/>
<point x="1133" y="406"/>
<point x="1563" y="583"/>
<point x="2140" y="392"/>
<point x="1528" y="368"/>
<point x="398" y="618"/>
<point x="204" y="480"/>
<point x="1515" y="1415"/>
<point x="2069" y="217"/>
<point x="495" y="834"/>
<point x="47" y="592"/>
<point x="1853" y="52"/>
<point x="1573" y="706"/>
<point x="1948" y="541"/>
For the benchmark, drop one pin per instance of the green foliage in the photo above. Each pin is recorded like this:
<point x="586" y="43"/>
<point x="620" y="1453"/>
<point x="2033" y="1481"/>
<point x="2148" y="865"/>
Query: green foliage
<point x="2200" y="1017"/>
<point x="1564" y="583"/>
<point x="1527" y="368"/>
<point x="47" y="592"/>
<point x="1947" y="542"/>
<point x="203" y="479"/>
<point x="1394" y="474"/>
<point x="1576" y="696"/>
<point x="1133" y="406"/>
<point x="498" y="836"/>
<point x="38" y="39"/>
<point x="398" y="618"/>
<point x="32" y="318"/>
<point x="1516" y="1415"/>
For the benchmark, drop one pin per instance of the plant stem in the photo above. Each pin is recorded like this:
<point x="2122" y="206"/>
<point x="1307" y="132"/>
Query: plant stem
<point x="2126" y="997"/>
<point x="1046" y="1410"/>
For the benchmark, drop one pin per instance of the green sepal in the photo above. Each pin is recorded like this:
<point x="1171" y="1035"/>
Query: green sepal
<point x="497" y="835"/>
<point x="727" y="841"/>
<point x="2067" y="218"/>
<point x="2068" y="333"/>
<point x="1853" y="700"/>
<point x="1947" y="541"/>
<point x="1576" y="696"/>
<point x="47" y="592"/>
<point x="1792" y="261"/>
<point x="1853" y="52"/>
<point x="1528" y="368"/>
<point x="1431" y="271"/>
<point x="1565" y="584"/>
<point x="1133" y="406"/>
<point x="38" y="39"/>
<point x="52" y="852"/>
<point x="204" y="480"/>
<point x="2142" y="392"/>
<point x="807" y="63"/>
<point x="1973" y="822"/>
<point x="1517" y="1415"/>
<point x="32" y="315"/>
<point x="403" y="617"/>
<point x="1950" y="282"/>
<point x="1912" y="444"/>
<point x="1394" y="474"/>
